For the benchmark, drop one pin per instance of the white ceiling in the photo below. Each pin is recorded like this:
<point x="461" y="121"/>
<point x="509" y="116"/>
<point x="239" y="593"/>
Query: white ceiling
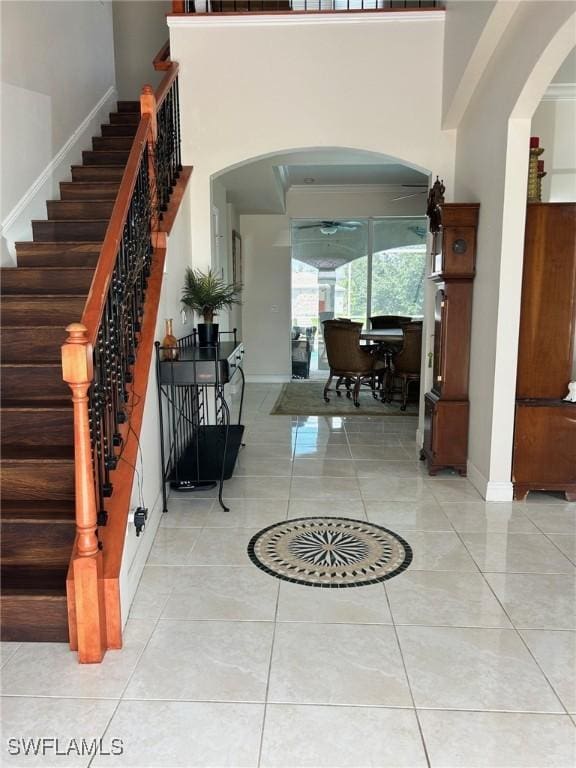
<point x="261" y="186"/>
<point x="389" y="173"/>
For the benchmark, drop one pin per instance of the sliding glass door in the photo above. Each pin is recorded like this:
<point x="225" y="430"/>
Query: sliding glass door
<point x="329" y="279"/>
<point x="352" y="268"/>
<point x="398" y="266"/>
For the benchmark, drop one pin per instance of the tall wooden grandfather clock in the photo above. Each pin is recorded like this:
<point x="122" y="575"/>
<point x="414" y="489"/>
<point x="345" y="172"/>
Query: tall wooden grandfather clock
<point x="446" y="406"/>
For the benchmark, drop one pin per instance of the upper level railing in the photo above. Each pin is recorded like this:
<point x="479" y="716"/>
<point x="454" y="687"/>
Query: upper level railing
<point x="99" y="356"/>
<point x="300" y="6"/>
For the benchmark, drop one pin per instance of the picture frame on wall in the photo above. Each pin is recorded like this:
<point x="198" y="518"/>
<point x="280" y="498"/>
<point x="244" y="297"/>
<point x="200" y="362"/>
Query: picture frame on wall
<point x="236" y="257"/>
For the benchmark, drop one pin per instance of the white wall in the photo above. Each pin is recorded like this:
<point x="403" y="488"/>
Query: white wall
<point x="491" y="168"/>
<point x="140" y="31"/>
<point x="555" y="123"/>
<point x="465" y="22"/>
<point x="266" y="310"/>
<point x="137" y="548"/>
<point x="266" y="92"/>
<point x="57" y="86"/>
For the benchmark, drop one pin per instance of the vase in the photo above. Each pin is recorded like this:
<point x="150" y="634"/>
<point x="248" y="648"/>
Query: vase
<point x="169" y="349"/>
<point x="207" y="334"/>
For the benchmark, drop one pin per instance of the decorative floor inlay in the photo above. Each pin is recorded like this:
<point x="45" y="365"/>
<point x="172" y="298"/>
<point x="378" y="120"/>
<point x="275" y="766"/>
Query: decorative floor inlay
<point x="329" y="552"/>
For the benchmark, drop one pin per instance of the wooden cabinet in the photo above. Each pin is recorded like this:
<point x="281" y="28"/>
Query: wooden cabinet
<point x="446" y="406"/>
<point x="545" y="425"/>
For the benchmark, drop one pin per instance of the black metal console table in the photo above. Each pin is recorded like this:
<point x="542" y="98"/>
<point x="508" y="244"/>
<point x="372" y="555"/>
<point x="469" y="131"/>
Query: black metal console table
<point x="202" y="443"/>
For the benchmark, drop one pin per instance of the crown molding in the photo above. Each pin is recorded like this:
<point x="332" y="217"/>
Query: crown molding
<point x="560" y="92"/>
<point x="295" y="19"/>
<point x="339" y="189"/>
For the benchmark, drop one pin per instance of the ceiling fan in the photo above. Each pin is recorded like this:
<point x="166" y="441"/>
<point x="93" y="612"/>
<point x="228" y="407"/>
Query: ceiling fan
<point x="332" y="227"/>
<point x="424" y="188"/>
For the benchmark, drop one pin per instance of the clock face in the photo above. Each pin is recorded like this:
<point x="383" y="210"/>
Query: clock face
<point x="459" y="246"/>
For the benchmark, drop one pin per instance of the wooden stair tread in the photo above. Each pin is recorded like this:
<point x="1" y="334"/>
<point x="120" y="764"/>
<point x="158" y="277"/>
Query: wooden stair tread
<point x="33" y="582"/>
<point x="37" y="453"/>
<point x="56" y="512"/>
<point x="64" y="246"/>
<point x="37" y="405"/>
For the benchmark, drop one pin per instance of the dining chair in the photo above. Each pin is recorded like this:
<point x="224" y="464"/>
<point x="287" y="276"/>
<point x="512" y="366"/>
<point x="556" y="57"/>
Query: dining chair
<point x="406" y="363"/>
<point x="349" y="360"/>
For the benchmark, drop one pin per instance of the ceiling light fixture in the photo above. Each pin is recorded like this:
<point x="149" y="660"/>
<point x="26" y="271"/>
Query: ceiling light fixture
<point x="309" y="180"/>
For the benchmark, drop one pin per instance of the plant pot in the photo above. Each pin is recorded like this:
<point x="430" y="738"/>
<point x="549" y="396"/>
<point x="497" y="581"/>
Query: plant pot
<point x="207" y="334"/>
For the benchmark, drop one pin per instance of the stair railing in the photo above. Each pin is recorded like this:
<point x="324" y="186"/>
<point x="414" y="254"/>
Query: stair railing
<point x="99" y="356"/>
<point x="163" y="107"/>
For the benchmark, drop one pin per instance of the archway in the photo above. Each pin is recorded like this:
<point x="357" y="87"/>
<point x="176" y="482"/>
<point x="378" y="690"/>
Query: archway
<point x="321" y="188"/>
<point x="491" y="167"/>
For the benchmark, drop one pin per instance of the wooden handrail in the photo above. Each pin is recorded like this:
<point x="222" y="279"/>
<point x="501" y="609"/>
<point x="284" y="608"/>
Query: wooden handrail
<point x="162" y="61"/>
<point x="96" y="299"/>
<point x="166" y="83"/>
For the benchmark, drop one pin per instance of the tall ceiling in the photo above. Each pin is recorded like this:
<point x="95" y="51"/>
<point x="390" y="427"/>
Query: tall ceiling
<point x="261" y="186"/>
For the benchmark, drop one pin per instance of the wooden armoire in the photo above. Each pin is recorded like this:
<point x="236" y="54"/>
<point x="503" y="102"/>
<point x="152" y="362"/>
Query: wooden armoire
<point x="446" y="406"/>
<point x="545" y="425"/>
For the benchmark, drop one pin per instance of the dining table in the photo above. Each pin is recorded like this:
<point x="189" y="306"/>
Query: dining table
<point x="383" y="335"/>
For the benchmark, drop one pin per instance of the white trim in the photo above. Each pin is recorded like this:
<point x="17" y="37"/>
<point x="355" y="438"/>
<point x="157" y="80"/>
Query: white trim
<point x="489" y="490"/>
<point x="560" y="92"/>
<point x="48" y="172"/>
<point x="340" y="189"/>
<point x="267" y="378"/>
<point x="291" y="19"/>
<point x="419" y="437"/>
<point x="131" y="578"/>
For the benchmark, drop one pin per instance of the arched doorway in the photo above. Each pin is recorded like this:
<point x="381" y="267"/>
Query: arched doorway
<point x="341" y="215"/>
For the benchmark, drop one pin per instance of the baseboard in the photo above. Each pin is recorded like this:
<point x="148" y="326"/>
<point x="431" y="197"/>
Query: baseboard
<point x="32" y="204"/>
<point x="267" y="378"/>
<point x="490" y="490"/>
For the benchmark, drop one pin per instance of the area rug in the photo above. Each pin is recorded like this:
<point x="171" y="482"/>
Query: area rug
<point x="306" y="398"/>
<point x="330" y="552"/>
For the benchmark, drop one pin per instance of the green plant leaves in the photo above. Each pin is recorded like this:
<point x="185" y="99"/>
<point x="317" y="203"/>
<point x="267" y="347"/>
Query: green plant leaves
<point x="207" y="294"/>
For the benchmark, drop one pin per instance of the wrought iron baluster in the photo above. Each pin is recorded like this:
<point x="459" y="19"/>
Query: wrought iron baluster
<point x="114" y="354"/>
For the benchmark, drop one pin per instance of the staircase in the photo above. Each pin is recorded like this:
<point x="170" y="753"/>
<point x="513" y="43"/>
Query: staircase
<point x="40" y="297"/>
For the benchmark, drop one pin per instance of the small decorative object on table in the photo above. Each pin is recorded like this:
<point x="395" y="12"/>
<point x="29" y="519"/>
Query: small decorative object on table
<point x="169" y="343"/>
<point x="207" y="294"/>
<point x="536" y="171"/>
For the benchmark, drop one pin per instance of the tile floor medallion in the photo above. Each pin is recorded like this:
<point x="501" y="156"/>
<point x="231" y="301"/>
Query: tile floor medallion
<point x="331" y="552"/>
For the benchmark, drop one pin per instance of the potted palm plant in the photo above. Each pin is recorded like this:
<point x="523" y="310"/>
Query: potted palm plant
<point x="207" y="294"/>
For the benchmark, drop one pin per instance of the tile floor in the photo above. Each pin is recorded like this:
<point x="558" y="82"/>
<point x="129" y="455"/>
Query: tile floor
<point x="466" y="659"/>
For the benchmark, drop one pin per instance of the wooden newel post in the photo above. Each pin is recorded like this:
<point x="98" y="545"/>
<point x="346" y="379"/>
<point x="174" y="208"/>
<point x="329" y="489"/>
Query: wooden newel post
<point x="77" y="372"/>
